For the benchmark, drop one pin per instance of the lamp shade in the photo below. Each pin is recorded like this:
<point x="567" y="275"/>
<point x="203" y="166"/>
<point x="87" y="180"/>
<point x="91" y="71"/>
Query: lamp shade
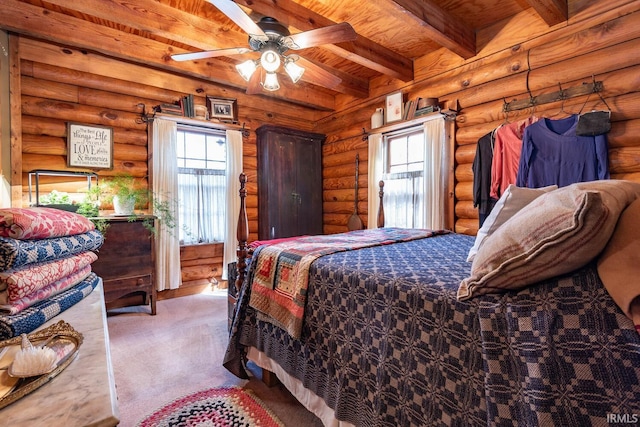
<point x="271" y="82"/>
<point x="270" y="60"/>
<point x="246" y="69"/>
<point x="293" y="70"/>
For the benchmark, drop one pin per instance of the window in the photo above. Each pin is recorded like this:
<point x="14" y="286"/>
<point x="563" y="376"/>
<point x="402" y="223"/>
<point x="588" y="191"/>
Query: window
<point x="201" y="160"/>
<point x="403" y="174"/>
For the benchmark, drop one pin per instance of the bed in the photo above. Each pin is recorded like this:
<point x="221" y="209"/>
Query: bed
<point x="389" y="338"/>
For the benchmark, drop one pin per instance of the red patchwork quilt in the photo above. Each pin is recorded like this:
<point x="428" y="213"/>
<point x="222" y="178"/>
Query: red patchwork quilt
<point x="279" y="287"/>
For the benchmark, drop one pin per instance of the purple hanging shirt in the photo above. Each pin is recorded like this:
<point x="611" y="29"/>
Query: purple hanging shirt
<point x="552" y="153"/>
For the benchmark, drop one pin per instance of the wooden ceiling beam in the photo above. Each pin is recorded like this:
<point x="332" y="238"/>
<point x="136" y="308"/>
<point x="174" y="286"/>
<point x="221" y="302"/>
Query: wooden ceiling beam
<point x="174" y="24"/>
<point x="161" y="20"/>
<point x="59" y="28"/>
<point x="553" y="12"/>
<point x="362" y="51"/>
<point x="438" y="25"/>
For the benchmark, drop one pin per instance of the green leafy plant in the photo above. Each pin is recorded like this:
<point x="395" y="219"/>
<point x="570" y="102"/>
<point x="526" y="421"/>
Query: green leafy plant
<point x="55" y="198"/>
<point x="123" y="186"/>
<point x="90" y="207"/>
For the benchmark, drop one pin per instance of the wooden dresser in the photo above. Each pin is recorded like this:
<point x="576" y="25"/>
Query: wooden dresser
<point x="126" y="263"/>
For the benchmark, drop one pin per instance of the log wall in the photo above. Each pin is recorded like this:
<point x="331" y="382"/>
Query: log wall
<point x="601" y="42"/>
<point x="58" y="84"/>
<point x="54" y="84"/>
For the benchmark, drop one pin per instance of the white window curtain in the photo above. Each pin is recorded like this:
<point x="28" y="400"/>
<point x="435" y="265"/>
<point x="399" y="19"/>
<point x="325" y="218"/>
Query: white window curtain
<point x="404" y="199"/>
<point x="433" y="182"/>
<point x="234" y="168"/>
<point x="206" y="188"/>
<point x="165" y="188"/>
<point x="375" y="175"/>
<point x="435" y="166"/>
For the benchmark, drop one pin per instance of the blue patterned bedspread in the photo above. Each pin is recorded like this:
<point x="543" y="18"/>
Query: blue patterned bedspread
<point x="12" y="325"/>
<point x="15" y="253"/>
<point x="386" y="343"/>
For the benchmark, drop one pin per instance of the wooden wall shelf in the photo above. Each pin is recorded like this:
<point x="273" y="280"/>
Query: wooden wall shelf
<point x="391" y="127"/>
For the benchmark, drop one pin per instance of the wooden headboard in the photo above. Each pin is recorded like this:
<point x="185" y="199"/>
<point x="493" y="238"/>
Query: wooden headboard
<point x="242" y="231"/>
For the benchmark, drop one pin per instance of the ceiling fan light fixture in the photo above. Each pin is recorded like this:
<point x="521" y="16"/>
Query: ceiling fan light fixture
<point x="271" y="82"/>
<point x="293" y="70"/>
<point x="246" y="69"/>
<point x="270" y="60"/>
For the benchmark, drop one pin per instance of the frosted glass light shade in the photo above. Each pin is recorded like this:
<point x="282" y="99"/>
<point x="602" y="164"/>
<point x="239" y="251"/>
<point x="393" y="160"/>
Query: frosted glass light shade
<point x="293" y="70"/>
<point x="270" y="61"/>
<point x="271" y="82"/>
<point x="246" y="69"/>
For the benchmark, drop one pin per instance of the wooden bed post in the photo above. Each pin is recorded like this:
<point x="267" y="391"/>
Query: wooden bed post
<point x="242" y="234"/>
<point x="381" y="208"/>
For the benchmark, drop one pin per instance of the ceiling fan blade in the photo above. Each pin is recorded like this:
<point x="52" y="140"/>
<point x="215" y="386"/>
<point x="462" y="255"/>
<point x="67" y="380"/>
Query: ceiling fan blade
<point x="331" y="34"/>
<point x="210" y="54"/>
<point x="317" y="75"/>
<point x="254" y="85"/>
<point x="237" y="15"/>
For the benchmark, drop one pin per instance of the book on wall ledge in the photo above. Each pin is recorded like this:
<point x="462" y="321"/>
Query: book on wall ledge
<point x="188" y="106"/>
<point x="412" y="109"/>
<point x="426" y="110"/>
<point x="173" y="109"/>
<point x="407" y="109"/>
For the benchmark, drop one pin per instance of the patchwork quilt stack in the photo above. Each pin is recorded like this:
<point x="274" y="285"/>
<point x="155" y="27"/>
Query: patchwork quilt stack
<point x="45" y="265"/>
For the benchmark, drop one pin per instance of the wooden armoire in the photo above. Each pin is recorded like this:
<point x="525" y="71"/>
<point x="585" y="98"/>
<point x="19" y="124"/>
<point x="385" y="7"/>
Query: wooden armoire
<point x="289" y="182"/>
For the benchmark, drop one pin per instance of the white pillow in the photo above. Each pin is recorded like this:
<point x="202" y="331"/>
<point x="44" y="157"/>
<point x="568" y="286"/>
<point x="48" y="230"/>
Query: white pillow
<point x="557" y="233"/>
<point x="512" y="200"/>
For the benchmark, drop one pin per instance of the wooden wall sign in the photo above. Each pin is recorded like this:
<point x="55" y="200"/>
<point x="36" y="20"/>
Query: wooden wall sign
<point x="89" y="146"/>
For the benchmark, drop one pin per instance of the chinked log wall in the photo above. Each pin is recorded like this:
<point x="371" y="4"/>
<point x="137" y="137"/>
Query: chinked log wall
<point x="602" y="39"/>
<point x="60" y="85"/>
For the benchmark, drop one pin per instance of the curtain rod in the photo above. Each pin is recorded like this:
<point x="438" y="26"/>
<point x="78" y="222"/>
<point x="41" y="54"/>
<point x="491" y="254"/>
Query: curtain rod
<point x="146" y="118"/>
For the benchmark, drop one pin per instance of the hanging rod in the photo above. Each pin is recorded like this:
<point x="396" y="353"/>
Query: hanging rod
<point x="572" y="92"/>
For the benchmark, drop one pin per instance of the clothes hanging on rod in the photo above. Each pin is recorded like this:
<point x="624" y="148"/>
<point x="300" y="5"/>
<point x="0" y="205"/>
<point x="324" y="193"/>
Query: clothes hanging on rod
<point x="548" y="152"/>
<point x="506" y="155"/>
<point x="482" y="176"/>
<point x="552" y="153"/>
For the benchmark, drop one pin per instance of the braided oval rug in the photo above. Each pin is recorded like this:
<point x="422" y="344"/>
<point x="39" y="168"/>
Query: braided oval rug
<point x="216" y="407"/>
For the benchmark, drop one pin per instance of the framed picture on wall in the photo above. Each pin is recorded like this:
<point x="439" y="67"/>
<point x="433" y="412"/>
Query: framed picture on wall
<point x="225" y="109"/>
<point x="89" y="146"/>
<point x="393" y="107"/>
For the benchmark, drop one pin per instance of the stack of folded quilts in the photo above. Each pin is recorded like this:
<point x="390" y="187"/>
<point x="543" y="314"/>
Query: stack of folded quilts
<point x="45" y="265"/>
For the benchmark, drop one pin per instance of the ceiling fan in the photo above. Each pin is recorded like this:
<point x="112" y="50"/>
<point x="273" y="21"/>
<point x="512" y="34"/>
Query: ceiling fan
<point x="272" y="40"/>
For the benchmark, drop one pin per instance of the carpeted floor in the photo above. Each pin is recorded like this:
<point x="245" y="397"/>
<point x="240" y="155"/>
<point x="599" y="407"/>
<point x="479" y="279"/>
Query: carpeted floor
<point x="179" y="351"/>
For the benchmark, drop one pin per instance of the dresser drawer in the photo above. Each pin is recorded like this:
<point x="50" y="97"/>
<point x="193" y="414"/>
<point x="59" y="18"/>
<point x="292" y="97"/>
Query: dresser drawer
<point x="132" y="283"/>
<point x="132" y="286"/>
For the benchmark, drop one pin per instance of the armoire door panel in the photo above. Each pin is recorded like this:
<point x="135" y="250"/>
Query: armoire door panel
<point x="289" y="182"/>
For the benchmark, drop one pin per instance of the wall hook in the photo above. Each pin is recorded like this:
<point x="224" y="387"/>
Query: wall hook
<point x="144" y="117"/>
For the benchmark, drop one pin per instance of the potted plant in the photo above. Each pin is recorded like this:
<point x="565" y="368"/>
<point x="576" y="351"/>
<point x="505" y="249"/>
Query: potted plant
<point x="124" y="194"/>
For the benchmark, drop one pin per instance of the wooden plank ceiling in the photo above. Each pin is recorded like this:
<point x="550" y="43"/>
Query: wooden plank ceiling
<point x="390" y="34"/>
